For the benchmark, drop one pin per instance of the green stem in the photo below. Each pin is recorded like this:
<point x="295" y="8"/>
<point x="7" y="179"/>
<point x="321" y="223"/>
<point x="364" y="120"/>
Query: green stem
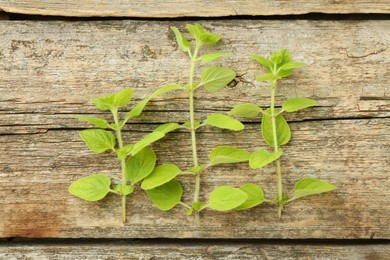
<point x="123" y="161"/>
<point x="276" y="149"/>
<point x="193" y="132"/>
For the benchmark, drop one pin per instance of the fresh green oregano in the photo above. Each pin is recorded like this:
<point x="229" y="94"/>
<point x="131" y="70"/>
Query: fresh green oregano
<point x="161" y="185"/>
<point x="137" y="160"/>
<point x="275" y="129"/>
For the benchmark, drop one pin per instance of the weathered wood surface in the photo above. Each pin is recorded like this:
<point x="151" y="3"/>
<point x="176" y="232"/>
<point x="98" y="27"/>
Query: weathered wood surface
<point x="193" y="250"/>
<point x="187" y="8"/>
<point x="50" y="70"/>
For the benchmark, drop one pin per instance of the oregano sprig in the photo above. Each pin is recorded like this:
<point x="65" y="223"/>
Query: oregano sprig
<point x="275" y="129"/>
<point x="162" y="181"/>
<point x="137" y="161"/>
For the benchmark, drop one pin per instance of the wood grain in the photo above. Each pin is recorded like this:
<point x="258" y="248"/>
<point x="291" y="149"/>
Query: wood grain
<point x="50" y="70"/>
<point x="193" y="250"/>
<point x="201" y="8"/>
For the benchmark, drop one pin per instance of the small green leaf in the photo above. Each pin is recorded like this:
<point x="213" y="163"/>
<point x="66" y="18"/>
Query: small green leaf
<point x="216" y="78"/>
<point x="189" y="211"/>
<point x="310" y="186"/>
<point x="160" y="175"/>
<point x="98" y="140"/>
<point x="265" y="77"/>
<point x="261" y="158"/>
<point x="195" y="30"/>
<point x="263" y="61"/>
<point x="209" y="38"/>
<point x="124" y="189"/>
<point x="198" y="168"/>
<point x="148" y="139"/>
<point x="140" y="165"/>
<point x="225" y="122"/>
<point x="255" y="196"/>
<point x="104" y="103"/>
<point x="123" y="98"/>
<point x="188" y="124"/>
<point x="213" y="56"/>
<point x="291" y="65"/>
<point x="91" y="188"/>
<point x="137" y="110"/>
<point x="226" y="198"/>
<point x="201" y="35"/>
<point x="198" y="206"/>
<point x="295" y="104"/>
<point x="93" y="120"/>
<point x="166" y="196"/>
<point x="283" y="132"/>
<point x="181" y="40"/>
<point x="228" y="154"/>
<point x="246" y="110"/>
<point x="166" y="128"/>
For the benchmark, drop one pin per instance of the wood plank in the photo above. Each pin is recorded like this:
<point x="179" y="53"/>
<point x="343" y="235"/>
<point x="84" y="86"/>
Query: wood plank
<point x="50" y="70"/>
<point x="201" y="8"/>
<point x="353" y="154"/>
<point x="194" y="250"/>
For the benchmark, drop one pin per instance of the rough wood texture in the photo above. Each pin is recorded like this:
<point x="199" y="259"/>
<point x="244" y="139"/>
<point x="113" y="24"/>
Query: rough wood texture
<point x="50" y="70"/>
<point x="200" y="8"/>
<point x="194" y="250"/>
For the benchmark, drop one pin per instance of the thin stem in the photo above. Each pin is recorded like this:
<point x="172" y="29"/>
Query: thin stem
<point x="276" y="149"/>
<point x="123" y="161"/>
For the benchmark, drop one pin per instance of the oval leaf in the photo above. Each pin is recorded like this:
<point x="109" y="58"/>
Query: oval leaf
<point x="91" y="188"/>
<point x="311" y="186"/>
<point x="225" y="122"/>
<point x="216" y="78"/>
<point x="261" y="158"/>
<point x="255" y="196"/>
<point x="166" y="196"/>
<point x="247" y="110"/>
<point x="295" y="104"/>
<point x="98" y="140"/>
<point x="123" y="98"/>
<point x="99" y="122"/>
<point x="160" y="175"/>
<point x="213" y="56"/>
<point x="181" y="40"/>
<point x="291" y="65"/>
<point x="150" y="138"/>
<point x="283" y="132"/>
<point x="104" y="103"/>
<point x="263" y="61"/>
<point x="226" y="198"/>
<point x="140" y="165"/>
<point x="227" y="154"/>
<point x="166" y="128"/>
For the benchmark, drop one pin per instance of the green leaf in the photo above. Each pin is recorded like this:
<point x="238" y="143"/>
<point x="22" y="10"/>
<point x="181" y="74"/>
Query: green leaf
<point x="195" y="30"/>
<point x="213" y="56"/>
<point x="166" y="196"/>
<point x="263" y="61"/>
<point x="209" y="38"/>
<point x="140" y="165"/>
<point x="137" y="110"/>
<point x="198" y="168"/>
<point x="225" y="122"/>
<point x="283" y="132"/>
<point x="226" y="198"/>
<point x="216" y="78"/>
<point x="99" y="122"/>
<point x="98" y="140"/>
<point x="295" y="104"/>
<point x="201" y="35"/>
<point x="148" y="139"/>
<point x="188" y="124"/>
<point x="123" y="98"/>
<point x="189" y="211"/>
<point x="91" y="188"/>
<point x="246" y="110"/>
<point x="181" y="40"/>
<point x="291" y="65"/>
<point x="228" y="154"/>
<point x="261" y="158"/>
<point x="124" y="189"/>
<point x="265" y="77"/>
<point x="198" y="206"/>
<point x="104" y="103"/>
<point x="160" y="175"/>
<point x="281" y="57"/>
<point x="255" y="196"/>
<point x="311" y="186"/>
<point x="125" y="151"/>
<point x="166" y="128"/>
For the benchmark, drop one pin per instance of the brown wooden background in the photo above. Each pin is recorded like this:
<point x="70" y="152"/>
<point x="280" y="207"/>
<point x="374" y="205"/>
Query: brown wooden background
<point x="56" y="55"/>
